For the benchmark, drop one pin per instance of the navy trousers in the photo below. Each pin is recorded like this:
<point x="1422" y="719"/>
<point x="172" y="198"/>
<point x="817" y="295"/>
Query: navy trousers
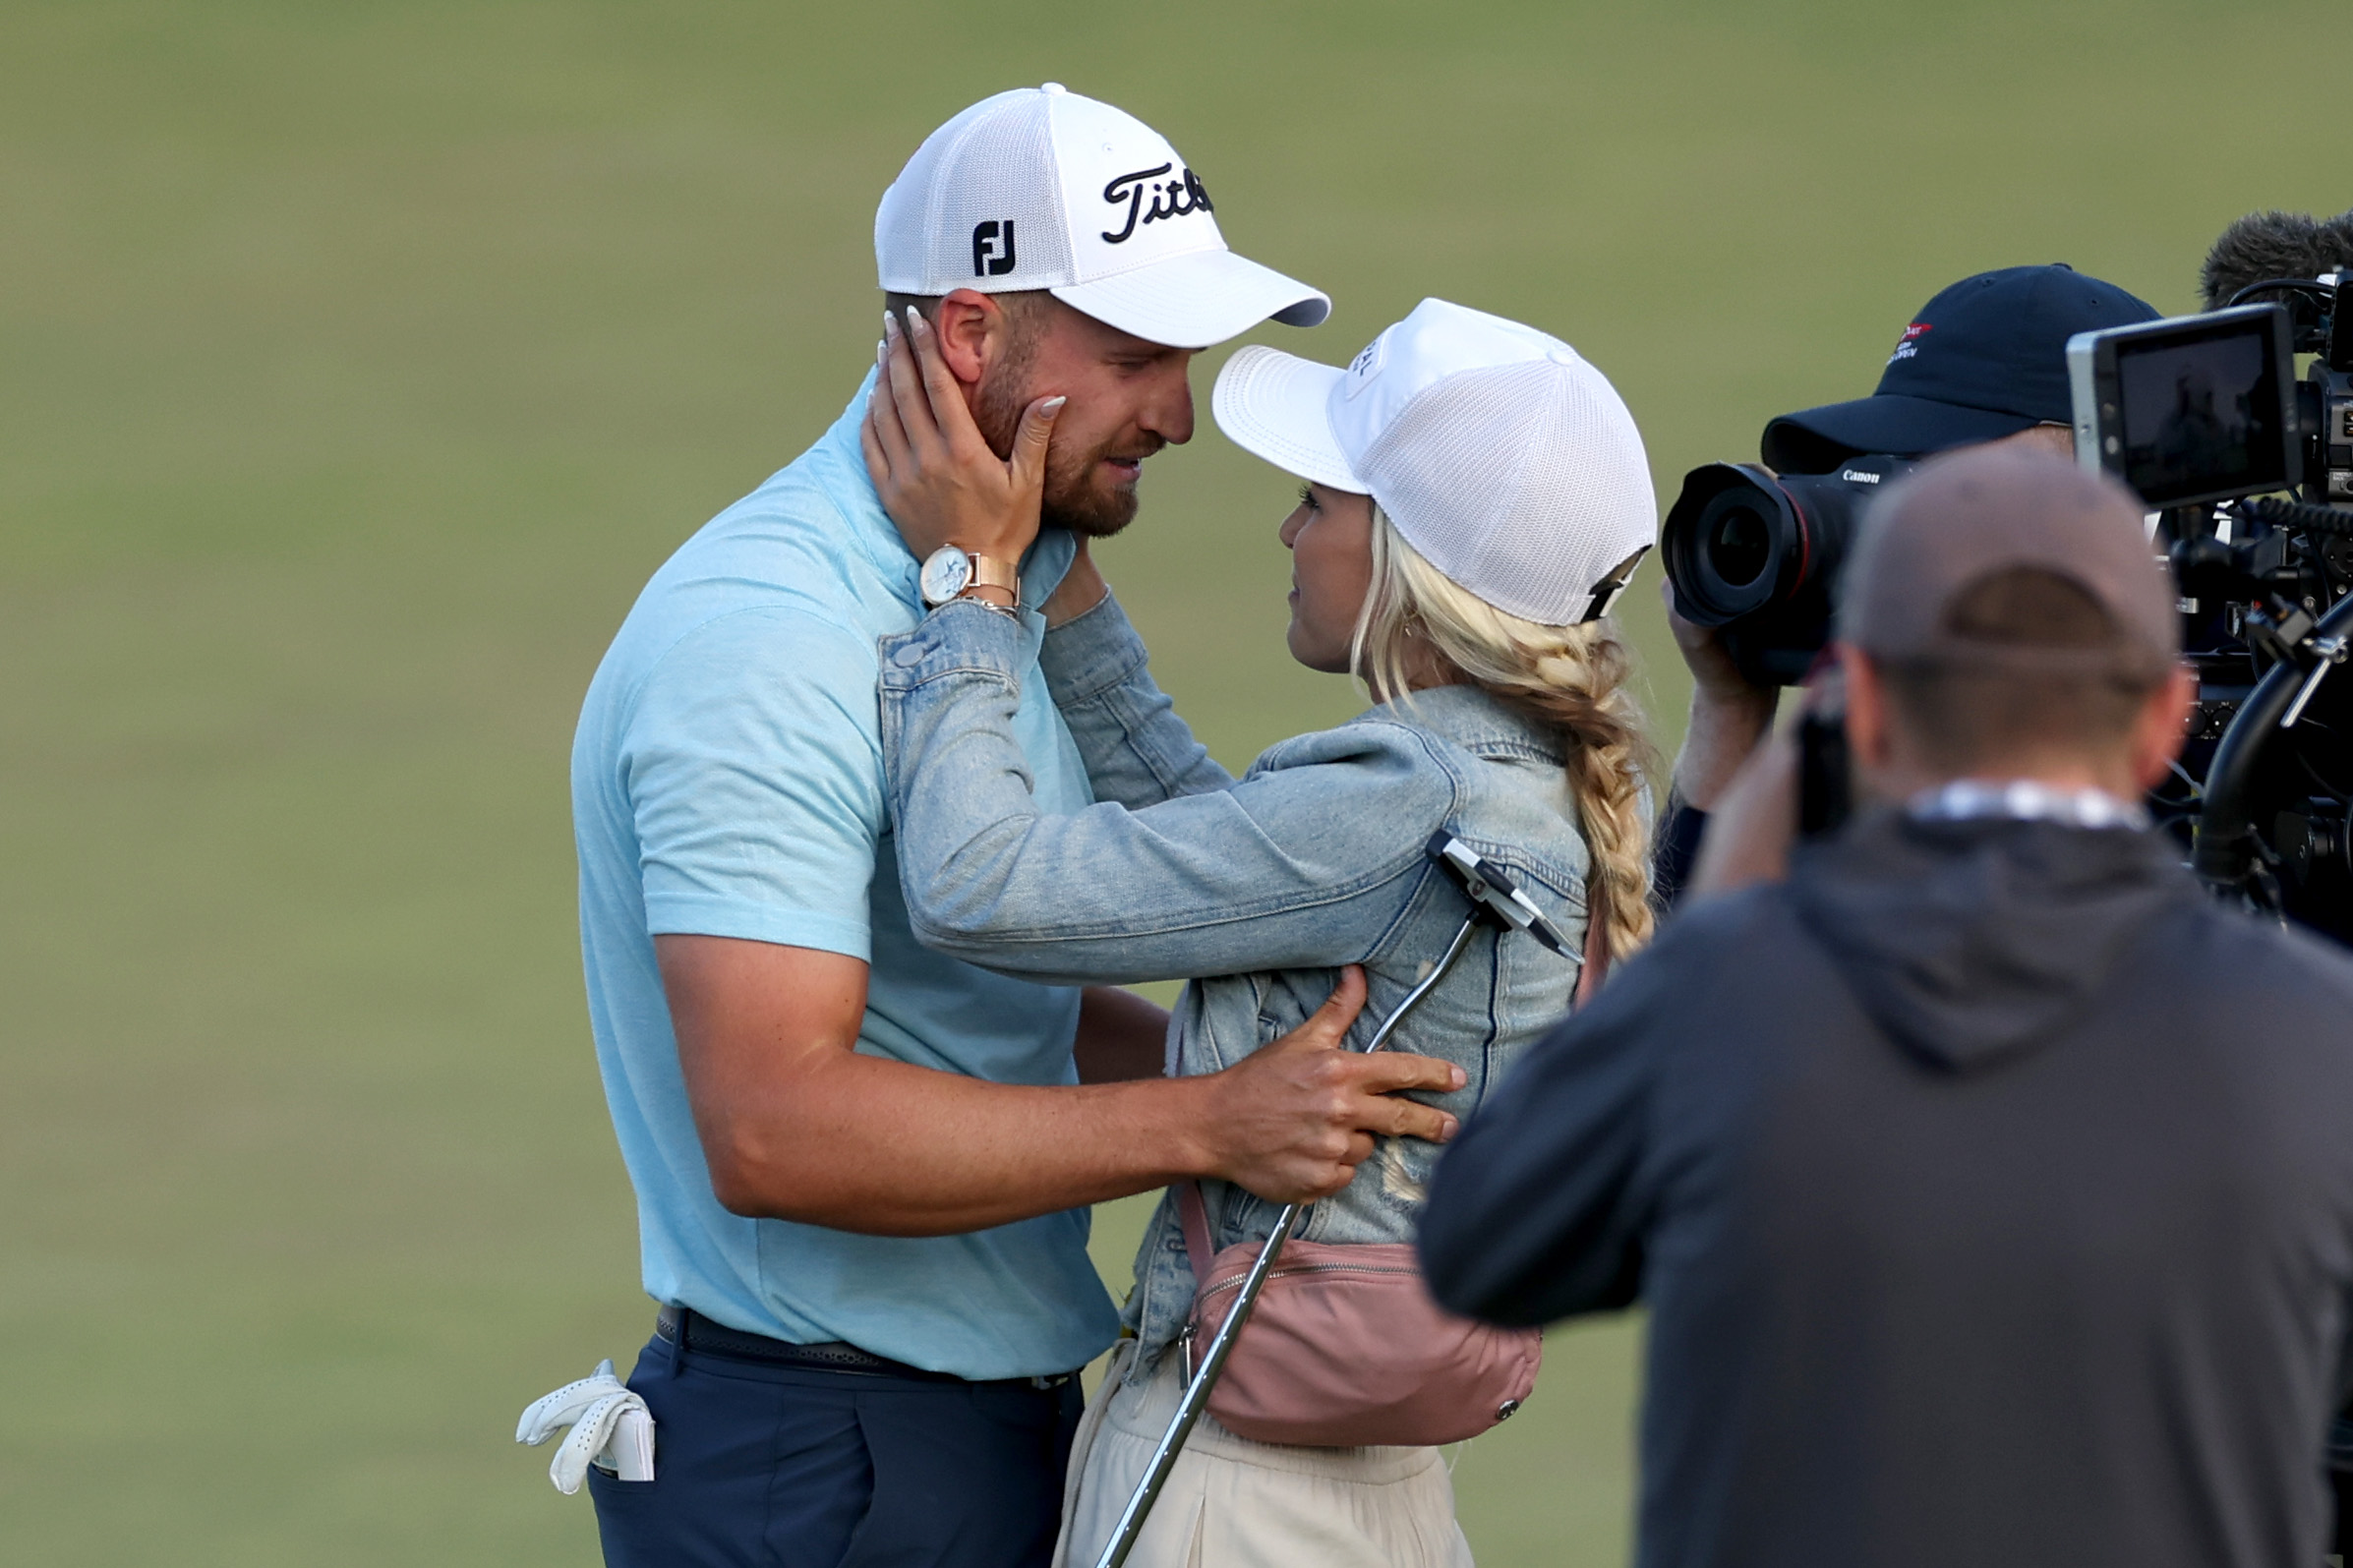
<point x="778" y="1467"/>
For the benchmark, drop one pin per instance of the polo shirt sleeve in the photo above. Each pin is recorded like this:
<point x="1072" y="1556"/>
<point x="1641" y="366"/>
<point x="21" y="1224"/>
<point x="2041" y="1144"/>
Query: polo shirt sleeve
<point x="754" y="776"/>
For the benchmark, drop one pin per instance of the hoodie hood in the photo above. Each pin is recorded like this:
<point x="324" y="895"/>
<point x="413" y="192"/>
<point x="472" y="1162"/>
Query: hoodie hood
<point x="1973" y="942"/>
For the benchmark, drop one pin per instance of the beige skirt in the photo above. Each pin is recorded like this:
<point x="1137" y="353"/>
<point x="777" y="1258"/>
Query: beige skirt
<point x="1234" y="1503"/>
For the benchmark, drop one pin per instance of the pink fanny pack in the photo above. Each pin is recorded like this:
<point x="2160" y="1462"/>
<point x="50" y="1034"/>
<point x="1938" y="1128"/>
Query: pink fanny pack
<point x="1346" y="1347"/>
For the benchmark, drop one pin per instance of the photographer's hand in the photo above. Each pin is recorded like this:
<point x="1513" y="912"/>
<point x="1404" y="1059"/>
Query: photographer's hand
<point x="1754" y="824"/>
<point x="935" y="473"/>
<point x="1757" y="821"/>
<point x="1731" y="715"/>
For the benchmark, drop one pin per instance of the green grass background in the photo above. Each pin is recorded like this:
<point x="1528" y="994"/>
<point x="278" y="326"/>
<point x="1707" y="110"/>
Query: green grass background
<point x="359" y="360"/>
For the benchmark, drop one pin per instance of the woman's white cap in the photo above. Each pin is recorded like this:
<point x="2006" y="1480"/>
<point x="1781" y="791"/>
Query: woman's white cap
<point x="1509" y="463"/>
<point x="1041" y="189"/>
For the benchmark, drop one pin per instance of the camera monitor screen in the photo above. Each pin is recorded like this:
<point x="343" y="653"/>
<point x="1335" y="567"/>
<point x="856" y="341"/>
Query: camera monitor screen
<point x="2193" y="409"/>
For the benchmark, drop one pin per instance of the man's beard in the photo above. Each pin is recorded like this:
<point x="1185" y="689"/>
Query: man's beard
<point x="1070" y="500"/>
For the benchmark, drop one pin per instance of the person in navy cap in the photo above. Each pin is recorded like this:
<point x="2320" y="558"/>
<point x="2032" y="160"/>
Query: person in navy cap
<point x="1984" y="361"/>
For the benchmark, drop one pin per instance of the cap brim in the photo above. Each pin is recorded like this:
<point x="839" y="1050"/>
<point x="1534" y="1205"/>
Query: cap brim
<point x="1197" y="299"/>
<point x="1820" y="438"/>
<point x="1273" y="405"/>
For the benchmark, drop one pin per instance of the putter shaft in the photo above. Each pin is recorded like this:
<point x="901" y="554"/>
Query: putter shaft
<point x="1221" y="1344"/>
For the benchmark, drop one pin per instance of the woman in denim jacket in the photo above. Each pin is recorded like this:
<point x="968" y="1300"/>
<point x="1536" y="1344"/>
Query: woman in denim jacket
<point x="1477" y="495"/>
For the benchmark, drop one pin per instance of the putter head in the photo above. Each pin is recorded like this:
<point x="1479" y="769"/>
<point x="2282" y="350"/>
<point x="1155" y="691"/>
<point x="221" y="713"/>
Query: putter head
<point x="1493" y="892"/>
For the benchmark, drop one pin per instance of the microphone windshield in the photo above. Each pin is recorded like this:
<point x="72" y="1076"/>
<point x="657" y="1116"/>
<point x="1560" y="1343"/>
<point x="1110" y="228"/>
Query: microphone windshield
<point x="2267" y="245"/>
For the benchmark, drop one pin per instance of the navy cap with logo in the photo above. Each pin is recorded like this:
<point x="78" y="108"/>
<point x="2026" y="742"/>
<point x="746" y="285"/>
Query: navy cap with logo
<point x="1984" y="359"/>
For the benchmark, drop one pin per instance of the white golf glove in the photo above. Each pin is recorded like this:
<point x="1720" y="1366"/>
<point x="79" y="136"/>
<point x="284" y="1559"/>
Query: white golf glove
<point x="610" y="1428"/>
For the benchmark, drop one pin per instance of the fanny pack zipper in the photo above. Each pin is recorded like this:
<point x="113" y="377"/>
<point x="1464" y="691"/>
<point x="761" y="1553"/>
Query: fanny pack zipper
<point x="1186" y="1335"/>
<point x="1234" y="1282"/>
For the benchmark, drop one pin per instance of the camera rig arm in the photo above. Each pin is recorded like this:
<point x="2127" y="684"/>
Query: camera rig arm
<point x="2228" y="853"/>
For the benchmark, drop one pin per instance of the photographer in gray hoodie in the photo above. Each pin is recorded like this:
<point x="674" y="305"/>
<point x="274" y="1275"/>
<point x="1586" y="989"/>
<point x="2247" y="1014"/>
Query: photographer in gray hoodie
<point x="1990" y="1189"/>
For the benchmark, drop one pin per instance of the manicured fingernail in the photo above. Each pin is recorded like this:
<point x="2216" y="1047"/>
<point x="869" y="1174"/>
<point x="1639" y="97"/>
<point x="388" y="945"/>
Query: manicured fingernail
<point x="916" y="322"/>
<point x="890" y="326"/>
<point x="1052" y="406"/>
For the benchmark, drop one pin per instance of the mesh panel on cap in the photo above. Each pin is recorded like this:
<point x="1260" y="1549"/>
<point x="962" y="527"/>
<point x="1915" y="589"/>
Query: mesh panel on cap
<point x="1525" y="484"/>
<point x="999" y="169"/>
<point x="899" y="228"/>
<point x="994" y="162"/>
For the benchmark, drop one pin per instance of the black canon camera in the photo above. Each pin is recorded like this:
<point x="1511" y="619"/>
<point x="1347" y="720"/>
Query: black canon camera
<point x="1756" y="556"/>
<point x="2249" y="469"/>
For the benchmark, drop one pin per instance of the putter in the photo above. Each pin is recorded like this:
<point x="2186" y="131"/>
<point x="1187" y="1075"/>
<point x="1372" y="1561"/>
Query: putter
<point x="1496" y="900"/>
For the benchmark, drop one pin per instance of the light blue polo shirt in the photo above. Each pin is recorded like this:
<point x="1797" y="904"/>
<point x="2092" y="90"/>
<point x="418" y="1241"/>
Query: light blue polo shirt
<point x="727" y="780"/>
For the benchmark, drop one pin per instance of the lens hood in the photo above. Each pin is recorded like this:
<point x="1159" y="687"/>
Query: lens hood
<point x="1731" y="539"/>
<point x="1756" y="556"/>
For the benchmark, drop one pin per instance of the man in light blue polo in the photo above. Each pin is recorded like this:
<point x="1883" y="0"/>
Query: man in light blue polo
<point x="862" y="1168"/>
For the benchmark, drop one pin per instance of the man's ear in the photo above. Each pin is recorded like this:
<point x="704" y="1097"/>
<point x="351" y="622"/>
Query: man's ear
<point x="2161" y="725"/>
<point x="973" y="330"/>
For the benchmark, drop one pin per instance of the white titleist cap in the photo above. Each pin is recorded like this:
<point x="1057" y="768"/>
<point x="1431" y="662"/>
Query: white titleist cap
<point x="1508" y="462"/>
<point x="1042" y="188"/>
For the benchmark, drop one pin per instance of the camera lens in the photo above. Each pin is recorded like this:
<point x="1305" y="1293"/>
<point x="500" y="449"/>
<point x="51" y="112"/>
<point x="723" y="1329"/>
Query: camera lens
<point x="1740" y="544"/>
<point x="1727" y="540"/>
<point x="1755" y="553"/>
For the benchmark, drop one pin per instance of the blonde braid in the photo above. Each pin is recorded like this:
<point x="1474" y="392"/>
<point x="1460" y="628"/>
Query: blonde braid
<point x="1570" y="678"/>
<point x="1582" y="693"/>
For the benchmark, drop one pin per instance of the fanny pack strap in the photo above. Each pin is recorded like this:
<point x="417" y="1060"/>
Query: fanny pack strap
<point x="1193" y="1216"/>
<point x="1597" y="951"/>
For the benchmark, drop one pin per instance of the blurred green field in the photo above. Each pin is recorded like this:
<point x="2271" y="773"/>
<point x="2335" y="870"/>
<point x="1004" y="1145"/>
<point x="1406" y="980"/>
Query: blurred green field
<point x="359" y="360"/>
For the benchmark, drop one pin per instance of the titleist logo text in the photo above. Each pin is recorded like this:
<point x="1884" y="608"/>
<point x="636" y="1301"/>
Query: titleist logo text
<point x="1171" y="199"/>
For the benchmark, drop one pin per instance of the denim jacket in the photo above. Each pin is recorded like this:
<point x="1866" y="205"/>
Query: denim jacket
<point x="1256" y="891"/>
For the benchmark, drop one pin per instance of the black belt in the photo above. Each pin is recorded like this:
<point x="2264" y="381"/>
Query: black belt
<point x="690" y="1330"/>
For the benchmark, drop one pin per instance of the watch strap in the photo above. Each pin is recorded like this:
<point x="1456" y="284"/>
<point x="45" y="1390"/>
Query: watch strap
<point x="989" y="571"/>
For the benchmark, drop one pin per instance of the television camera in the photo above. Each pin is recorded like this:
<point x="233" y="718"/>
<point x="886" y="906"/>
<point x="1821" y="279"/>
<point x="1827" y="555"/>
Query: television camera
<point x="2248" y="470"/>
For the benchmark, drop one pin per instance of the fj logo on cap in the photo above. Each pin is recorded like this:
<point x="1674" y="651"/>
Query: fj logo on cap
<point x="1909" y="343"/>
<point x="992" y="247"/>
<point x="1171" y="199"/>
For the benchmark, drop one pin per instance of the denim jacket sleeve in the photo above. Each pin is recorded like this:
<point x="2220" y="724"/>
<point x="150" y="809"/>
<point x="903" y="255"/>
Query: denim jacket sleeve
<point x="1138" y="752"/>
<point x="1311" y="860"/>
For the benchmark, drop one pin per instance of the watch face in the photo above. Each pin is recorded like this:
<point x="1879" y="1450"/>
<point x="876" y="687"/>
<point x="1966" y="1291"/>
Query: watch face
<point x="946" y="574"/>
